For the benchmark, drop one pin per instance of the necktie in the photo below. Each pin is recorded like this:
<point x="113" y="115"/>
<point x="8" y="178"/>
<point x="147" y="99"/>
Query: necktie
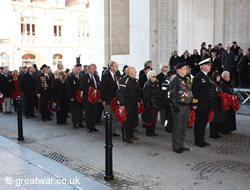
<point x="92" y="77"/>
<point x="115" y="80"/>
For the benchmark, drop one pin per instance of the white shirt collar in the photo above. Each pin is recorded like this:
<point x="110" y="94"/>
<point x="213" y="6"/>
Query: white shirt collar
<point x="204" y="72"/>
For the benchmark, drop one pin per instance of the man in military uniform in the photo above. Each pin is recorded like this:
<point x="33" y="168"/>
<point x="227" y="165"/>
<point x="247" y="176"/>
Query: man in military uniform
<point x="201" y="90"/>
<point x="167" y="101"/>
<point x="88" y="81"/>
<point x="128" y="97"/>
<point x="28" y="85"/>
<point x="181" y="97"/>
<point x="43" y="91"/>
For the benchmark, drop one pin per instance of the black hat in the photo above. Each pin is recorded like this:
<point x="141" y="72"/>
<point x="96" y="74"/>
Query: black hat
<point x="24" y="67"/>
<point x="78" y="65"/>
<point x="124" y="67"/>
<point x="207" y="61"/>
<point x="170" y="73"/>
<point x="43" y="66"/>
<point x="1" y="67"/>
<point x="180" y="65"/>
<point x="34" y="65"/>
<point x="209" y="45"/>
<point x="147" y="67"/>
<point x="234" y="42"/>
<point x="149" y="116"/>
<point x="53" y="106"/>
<point x="220" y="44"/>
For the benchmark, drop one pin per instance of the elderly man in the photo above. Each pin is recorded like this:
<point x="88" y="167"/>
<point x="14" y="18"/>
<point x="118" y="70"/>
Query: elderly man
<point x="174" y="60"/>
<point x="201" y="90"/>
<point x="59" y="68"/>
<point x="7" y="86"/>
<point x="181" y="97"/>
<point x="163" y="74"/>
<point x="227" y="59"/>
<point x="109" y="88"/>
<point x="230" y="124"/>
<point x="128" y="96"/>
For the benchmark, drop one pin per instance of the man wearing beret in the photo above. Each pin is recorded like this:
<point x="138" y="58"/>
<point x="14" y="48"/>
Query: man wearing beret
<point x="181" y="97"/>
<point x="201" y="91"/>
<point x="43" y="91"/>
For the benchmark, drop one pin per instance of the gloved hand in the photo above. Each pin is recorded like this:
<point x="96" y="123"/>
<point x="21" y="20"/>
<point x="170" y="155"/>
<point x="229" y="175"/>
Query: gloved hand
<point x="176" y="109"/>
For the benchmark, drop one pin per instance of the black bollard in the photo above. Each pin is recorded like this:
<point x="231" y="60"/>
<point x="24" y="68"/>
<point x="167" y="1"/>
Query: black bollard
<point x="108" y="148"/>
<point x="19" y="118"/>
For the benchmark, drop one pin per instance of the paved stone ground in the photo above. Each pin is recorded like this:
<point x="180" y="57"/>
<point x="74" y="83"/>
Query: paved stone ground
<point x="150" y="162"/>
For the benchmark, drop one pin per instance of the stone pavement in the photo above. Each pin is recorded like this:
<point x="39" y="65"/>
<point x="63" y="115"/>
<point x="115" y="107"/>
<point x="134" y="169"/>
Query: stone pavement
<point x="22" y="168"/>
<point x="150" y="162"/>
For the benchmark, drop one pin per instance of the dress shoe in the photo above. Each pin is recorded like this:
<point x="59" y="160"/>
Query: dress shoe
<point x="49" y="119"/>
<point x="185" y="148"/>
<point x="4" y="112"/>
<point x="218" y="136"/>
<point x="150" y="135"/>
<point x="89" y="131"/>
<point x="179" y="150"/>
<point x="115" y="135"/>
<point x="135" y="138"/>
<point x="82" y="126"/>
<point x="129" y="141"/>
<point x="27" y="117"/>
<point x="95" y="129"/>
<point x="199" y="145"/>
<point x="9" y="112"/>
<point x="168" y="130"/>
<point x="206" y="144"/>
<point x="44" y="119"/>
<point x="155" y="134"/>
<point x="74" y="127"/>
<point x="213" y="137"/>
<point x="33" y="116"/>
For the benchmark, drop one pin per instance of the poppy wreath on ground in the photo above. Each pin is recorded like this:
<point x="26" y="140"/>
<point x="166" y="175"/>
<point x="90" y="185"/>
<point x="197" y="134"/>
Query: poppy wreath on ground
<point x="234" y="102"/>
<point x="211" y="116"/>
<point x="191" y="118"/>
<point x="94" y="95"/>
<point x="141" y="108"/>
<point x="2" y="98"/>
<point x="78" y="96"/>
<point x="121" y="117"/>
<point x="225" y="102"/>
<point x="53" y="105"/>
<point x="113" y="104"/>
<point x="149" y="114"/>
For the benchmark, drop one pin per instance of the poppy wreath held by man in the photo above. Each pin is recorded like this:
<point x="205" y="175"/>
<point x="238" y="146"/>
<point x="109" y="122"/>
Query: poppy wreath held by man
<point x="113" y="104"/>
<point x="211" y="116"/>
<point x="2" y="98"/>
<point x="78" y="96"/>
<point x="94" y="95"/>
<point x="53" y="105"/>
<point x="141" y="108"/>
<point x="121" y="116"/>
<point x="225" y="101"/>
<point x="191" y="118"/>
<point x="234" y="102"/>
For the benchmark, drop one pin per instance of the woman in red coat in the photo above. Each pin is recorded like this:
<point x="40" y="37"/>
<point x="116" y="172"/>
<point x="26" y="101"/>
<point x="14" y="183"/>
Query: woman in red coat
<point x="15" y="93"/>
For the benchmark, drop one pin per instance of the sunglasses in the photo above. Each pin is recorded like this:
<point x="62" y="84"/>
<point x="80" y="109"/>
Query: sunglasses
<point x="153" y="76"/>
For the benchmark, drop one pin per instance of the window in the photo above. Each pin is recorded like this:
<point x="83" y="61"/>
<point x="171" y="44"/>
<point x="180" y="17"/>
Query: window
<point x="83" y="30"/>
<point x="4" y="59"/>
<point x="58" y="27"/>
<point x="57" y="58"/>
<point x="28" y="26"/>
<point x="28" y="59"/>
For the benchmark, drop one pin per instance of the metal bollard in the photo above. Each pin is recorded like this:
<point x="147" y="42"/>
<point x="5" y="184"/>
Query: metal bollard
<point x="19" y="118"/>
<point x="108" y="148"/>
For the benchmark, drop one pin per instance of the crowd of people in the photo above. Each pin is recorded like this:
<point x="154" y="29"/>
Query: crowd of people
<point x="192" y="83"/>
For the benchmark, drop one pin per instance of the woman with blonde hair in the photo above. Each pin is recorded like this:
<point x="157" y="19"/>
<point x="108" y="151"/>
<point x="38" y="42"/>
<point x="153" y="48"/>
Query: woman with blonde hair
<point x="60" y="94"/>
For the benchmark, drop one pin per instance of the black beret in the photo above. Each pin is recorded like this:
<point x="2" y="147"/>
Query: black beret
<point x="180" y="65"/>
<point x="147" y="67"/>
<point x="170" y="73"/>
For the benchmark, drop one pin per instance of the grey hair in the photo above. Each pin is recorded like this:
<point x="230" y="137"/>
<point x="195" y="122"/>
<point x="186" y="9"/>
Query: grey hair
<point x="162" y="65"/>
<point x="150" y="74"/>
<point x="224" y="73"/>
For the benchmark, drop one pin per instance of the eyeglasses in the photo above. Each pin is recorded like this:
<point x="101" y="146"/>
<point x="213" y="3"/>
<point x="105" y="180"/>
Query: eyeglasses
<point x="153" y="76"/>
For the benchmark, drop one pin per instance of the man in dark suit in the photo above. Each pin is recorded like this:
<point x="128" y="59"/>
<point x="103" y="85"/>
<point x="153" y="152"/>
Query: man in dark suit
<point x="174" y="60"/>
<point x="147" y="63"/>
<point x="201" y="91"/>
<point x="227" y="59"/>
<point x="28" y="85"/>
<point x="43" y="91"/>
<point x="143" y="78"/>
<point x="7" y="86"/>
<point x="109" y="88"/>
<point x="215" y="64"/>
<point x="73" y="85"/>
<point x="162" y="75"/>
<point x="220" y="50"/>
<point x="88" y="81"/>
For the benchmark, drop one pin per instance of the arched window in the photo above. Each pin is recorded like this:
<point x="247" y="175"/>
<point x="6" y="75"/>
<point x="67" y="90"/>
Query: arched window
<point x="57" y="58"/>
<point x="28" y="59"/>
<point x="4" y="59"/>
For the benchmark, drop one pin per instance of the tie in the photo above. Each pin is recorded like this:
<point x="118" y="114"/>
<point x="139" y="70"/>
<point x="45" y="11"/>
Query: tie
<point x="115" y="80"/>
<point x="77" y="76"/>
<point x="92" y="78"/>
